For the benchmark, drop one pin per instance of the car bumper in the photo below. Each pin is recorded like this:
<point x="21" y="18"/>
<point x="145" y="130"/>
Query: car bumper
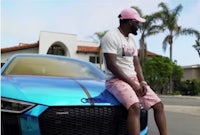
<point x="70" y="120"/>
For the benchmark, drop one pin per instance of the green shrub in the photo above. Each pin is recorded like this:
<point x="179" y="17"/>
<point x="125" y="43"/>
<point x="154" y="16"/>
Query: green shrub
<point x="190" y="87"/>
<point x="176" y="92"/>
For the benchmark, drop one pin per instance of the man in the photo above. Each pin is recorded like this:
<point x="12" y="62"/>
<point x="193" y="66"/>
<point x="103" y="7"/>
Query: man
<point x="124" y="75"/>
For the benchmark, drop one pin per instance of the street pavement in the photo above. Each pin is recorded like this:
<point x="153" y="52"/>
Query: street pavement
<point x="182" y="104"/>
<point x="182" y="114"/>
<point x="192" y="110"/>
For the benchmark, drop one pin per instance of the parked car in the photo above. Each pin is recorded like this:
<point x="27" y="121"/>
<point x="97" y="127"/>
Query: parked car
<point x="58" y="95"/>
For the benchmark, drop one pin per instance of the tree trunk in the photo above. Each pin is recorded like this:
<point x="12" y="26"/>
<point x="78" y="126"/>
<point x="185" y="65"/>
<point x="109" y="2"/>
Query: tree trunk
<point x="170" y="79"/>
<point x="142" y="51"/>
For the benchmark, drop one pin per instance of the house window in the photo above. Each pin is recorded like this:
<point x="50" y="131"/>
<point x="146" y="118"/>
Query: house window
<point x="94" y="59"/>
<point x="56" y="50"/>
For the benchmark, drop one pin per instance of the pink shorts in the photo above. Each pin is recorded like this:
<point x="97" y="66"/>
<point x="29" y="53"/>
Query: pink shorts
<point x="127" y="96"/>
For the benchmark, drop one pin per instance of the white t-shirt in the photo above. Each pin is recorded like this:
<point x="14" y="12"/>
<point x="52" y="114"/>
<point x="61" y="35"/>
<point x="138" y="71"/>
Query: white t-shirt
<point x="125" y="48"/>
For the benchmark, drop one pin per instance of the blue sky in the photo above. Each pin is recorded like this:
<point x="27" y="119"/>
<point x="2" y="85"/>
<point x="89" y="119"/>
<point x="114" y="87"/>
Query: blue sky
<point x="22" y="21"/>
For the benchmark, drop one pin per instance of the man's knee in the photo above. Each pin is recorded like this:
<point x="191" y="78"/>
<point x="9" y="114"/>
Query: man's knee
<point x="134" y="108"/>
<point x="159" y="106"/>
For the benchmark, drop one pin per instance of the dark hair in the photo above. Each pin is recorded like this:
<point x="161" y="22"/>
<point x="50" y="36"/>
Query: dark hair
<point x="124" y="21"/>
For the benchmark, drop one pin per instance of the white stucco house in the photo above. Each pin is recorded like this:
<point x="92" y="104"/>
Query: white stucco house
<point x="57" y="44"/>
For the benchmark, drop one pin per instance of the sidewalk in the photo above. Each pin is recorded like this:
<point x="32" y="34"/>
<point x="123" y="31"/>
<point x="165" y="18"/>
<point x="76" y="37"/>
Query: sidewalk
<point x="180" y="96"/>
<point x="193" y="110"/>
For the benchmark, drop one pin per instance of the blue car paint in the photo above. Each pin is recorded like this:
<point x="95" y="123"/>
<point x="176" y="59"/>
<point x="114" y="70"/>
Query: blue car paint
<point x="29" y="120"/>
<point x="29" y="125"/>
<point x="10" y="90"/>
<point x="98" y="96"/>
<point x="36" y="111"/>
<point x="51" y="91"/>
<point x="144" y="131"/>
<point x="104" y="98"/>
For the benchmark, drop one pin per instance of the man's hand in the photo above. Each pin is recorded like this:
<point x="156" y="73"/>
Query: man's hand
<point x="137" y="88"/>
<point x="143" y="90"/>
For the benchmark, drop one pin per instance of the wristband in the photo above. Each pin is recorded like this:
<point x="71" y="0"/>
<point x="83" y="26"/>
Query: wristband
<point x="143" y="82"/>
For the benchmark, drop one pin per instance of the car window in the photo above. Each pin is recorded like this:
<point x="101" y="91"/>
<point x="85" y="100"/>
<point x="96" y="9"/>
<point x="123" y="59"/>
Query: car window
<point x="49" y="66"/>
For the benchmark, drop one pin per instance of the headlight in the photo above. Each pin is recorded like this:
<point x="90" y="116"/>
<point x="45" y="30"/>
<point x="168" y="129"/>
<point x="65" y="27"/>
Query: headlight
<point x="14" y="106"/>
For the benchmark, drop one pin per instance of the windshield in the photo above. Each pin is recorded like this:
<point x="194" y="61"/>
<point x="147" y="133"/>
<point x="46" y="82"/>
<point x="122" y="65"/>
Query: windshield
<point x="50" y="66"/>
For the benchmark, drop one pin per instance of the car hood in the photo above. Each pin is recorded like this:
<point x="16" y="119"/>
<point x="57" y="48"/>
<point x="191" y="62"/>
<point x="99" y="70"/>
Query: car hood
<point x="56" y="91"/>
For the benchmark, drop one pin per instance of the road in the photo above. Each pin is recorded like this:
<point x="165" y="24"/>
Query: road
<point x="182" y="113"/>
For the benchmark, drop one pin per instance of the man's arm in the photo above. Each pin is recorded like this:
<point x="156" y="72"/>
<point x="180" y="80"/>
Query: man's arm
<point x="138" y="69"/>
<point x="140" y="76"/>
<point x="112" y="66"/>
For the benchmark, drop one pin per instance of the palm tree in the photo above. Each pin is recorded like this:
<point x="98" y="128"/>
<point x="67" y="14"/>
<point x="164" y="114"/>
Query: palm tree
<point x="197" y="45"/>
<point x="100" y="36"/>
<point x="196" y="33"/>
<point x="147" y="29"/>
<point x="169" y="19"/>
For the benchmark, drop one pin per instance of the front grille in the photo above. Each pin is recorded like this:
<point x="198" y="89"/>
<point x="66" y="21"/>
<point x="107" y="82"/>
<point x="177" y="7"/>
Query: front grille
<point x="96" y="120"/>
<point x="10" y="124"/>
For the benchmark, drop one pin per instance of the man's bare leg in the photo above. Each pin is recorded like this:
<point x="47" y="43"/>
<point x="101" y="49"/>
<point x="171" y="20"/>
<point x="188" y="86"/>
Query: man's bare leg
<point x="160" y="119"/>
<point x="134" y="119"/>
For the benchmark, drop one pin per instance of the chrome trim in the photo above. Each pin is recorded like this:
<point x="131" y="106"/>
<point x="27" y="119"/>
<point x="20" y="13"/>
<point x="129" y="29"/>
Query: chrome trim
<point x="16" y="101"/>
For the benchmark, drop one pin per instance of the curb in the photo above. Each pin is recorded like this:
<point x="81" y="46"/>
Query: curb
<point x="192" y="110"/>
<point x="179" y="96"/>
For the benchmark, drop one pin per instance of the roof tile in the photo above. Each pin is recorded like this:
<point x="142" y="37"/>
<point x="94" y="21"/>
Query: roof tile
<point x="19" y="47"/>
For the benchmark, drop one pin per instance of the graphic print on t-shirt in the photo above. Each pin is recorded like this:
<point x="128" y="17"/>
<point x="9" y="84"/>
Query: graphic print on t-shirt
<point x="127" y="51"/>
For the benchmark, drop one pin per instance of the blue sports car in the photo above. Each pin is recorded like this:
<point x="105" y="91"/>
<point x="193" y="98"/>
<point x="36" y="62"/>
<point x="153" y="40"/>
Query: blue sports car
<point x="57" y="95"/>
